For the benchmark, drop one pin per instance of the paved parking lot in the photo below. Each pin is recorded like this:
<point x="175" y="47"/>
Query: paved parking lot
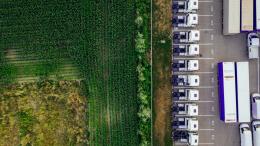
<point x="214" y="47"/>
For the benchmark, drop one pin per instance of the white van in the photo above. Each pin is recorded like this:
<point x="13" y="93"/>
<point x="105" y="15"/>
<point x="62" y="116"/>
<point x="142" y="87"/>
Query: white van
<point x="256" y="132"/>
<point x="245" y="135"/>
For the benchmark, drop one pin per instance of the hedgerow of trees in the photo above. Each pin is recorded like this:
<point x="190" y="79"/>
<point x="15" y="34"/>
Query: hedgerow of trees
<point x="144" y="70"/>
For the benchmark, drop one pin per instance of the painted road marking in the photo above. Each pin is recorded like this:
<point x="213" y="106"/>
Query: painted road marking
<point x="211" y="8"/>
<point x="212" y="65"/>
<point x="206" y="129"/>
<point x="199" y="101"/>
<point x="206" y="115"/>
<point x="206" y="1"/>
<point x="205" y="15"/>
<point x="213" y="109"/>
<point x="211" y="22"/>
<point x="212" y="137"/>
<point x="201" y="58"/>
<point x="199" y="87"/>
<point x="202" y="44"/>
<point x="212" y="94"/>
<point x="212" y="79"/>
<point x="206" y="143"/>
<point x="193" y="72"/>
<point x="212" y="37"/>
<point x="206" y="29"/>
<point x="212" y="53"/>
<point x="212" y="123"/>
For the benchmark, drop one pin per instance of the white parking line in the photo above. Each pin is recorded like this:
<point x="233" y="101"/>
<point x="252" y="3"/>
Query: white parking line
<point x="206" y="143"/>
<point x="199" y="101"/>
<point x="212" y="79"/>
<point x="202" y="44"/>
<point x="212" y="52"/>
<point x="206" y="29"/>
<point x="212" y="37"/>
<point x="212" y="65"/>
<point x="211" y="22"/>
<point x="211" y="8"/>
<point x="199" y="87"/>
<point x="201" y="58"/>
<point x="206" y="115"/>
<point x="212" y="94"/>
<point x="205" y="15"/>
<point x="189" y="72"/>
<point x="206" y="129"/>
<point x="206" y="1"/>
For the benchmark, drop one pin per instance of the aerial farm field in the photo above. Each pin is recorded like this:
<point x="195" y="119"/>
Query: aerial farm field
<point x="75" y="57"/>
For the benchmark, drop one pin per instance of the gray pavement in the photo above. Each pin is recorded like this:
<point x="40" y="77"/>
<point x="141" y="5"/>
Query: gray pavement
<point x="215" y="47"/>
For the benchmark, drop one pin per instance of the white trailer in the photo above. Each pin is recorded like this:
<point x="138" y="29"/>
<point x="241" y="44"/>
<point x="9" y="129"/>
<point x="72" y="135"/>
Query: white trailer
<point x="257" y="14"/>
<point x="247" y="15"/>
<point x="243" y="93"/>
<point x="231" y="17"/>
<point x="227" y="92"/>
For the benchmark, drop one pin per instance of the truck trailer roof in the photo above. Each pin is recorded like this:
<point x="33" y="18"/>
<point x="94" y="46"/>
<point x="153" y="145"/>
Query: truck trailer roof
<point x="243" y="93"/>
<point x="257" y="14"/>
<point x="247" y="15"/>
<point x="231" y="17"/>
<point x="227" y="92"/>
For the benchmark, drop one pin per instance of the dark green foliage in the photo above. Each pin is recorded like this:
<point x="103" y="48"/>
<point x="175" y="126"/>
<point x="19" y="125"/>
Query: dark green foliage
<point x="26" y="121"/>
<point x="144" y="71"/>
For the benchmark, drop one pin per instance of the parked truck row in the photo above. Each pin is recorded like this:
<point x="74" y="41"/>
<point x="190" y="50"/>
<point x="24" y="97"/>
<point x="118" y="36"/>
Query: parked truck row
<point x="185" y="123"/>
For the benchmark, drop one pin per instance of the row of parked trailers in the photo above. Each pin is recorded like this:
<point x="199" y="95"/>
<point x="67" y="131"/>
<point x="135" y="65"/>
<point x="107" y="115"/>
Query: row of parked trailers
<point x="241" y="16"/>
<point x="185" y="43"/>
<point x="234" y="92"/>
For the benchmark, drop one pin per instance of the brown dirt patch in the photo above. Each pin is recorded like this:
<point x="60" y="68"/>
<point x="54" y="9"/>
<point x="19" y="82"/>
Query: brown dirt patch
<point x="162" y="16"/>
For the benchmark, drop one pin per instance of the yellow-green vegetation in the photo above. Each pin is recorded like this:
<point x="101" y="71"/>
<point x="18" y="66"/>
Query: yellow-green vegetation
<point x="46" y="113"/>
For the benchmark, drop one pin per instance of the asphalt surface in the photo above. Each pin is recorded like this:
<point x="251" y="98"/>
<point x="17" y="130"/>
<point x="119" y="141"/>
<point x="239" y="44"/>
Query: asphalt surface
<point x="214" y="48"/>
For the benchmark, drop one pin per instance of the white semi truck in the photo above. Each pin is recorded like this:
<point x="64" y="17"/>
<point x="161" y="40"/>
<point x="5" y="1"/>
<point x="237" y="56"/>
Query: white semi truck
<point x="192" y="36"/>
<point x="185" y="109"/>
<point x="185" y="95"/>
<point x="256" y="105"/>
<point x="186" y="80"/>
<point x="183" y="123"/>
<point x="188" y="20"/>
<point x="253" y="45"/>
<point x="256" y="132"/>
<point x="186" y="50"/>
<point x="186" y="6"/>
<point x="186" y="137"/>
<point x="185" y="65"/>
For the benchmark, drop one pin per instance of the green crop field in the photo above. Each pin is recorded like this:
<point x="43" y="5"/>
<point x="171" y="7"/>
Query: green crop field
<point x="89" y="40"/>
<point x="112" y="80"/>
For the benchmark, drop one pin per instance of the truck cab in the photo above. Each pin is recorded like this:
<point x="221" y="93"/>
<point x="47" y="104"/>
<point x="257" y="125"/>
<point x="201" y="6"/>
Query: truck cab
<point x="191" y="36"/>
<point x="256" y="105"/>
<point x="253" y="45"/>
<point x="185" y="109"/>
<point x="185" y="94"/>
<point x="183" y="123"/>
<point x="186" y="80"/>
<point x="186" y="50"/>
<point x="188" y="20"/>
<point x="187" y="6"/>
<point x="185" y="65"/>
<point x="245" y="135"/>
<point x="186" y="137"/>
<point x="256" y="132"/>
